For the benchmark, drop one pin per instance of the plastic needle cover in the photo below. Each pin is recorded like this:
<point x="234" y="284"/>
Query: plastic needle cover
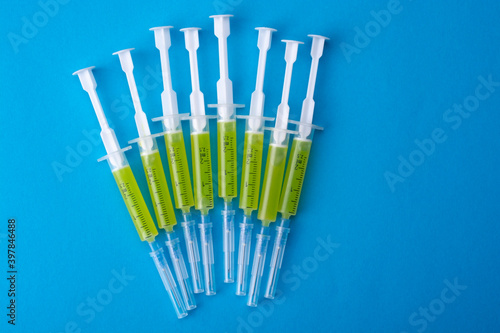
<point x="244" y="255"/>
<point x="168" y="280"/>
<point x="295" y="173"/>
<point x="180" y="270"/>
<point x="259" y="259"/>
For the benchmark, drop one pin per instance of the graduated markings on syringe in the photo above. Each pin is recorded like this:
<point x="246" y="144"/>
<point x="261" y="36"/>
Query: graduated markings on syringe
<point x="157" y="190"/>
<point x="201" y="144"/>
<point x="253" y="162"/>
<point x="175" y="154"/>
<point x="129" y="196"/>
<point x="229" y="144"/>
<point x="298" y="163"/>
<point x="226" y="155"/>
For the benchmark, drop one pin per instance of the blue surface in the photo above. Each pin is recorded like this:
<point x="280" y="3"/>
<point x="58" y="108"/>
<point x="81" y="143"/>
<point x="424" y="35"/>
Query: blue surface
<point x="397" y="248"/>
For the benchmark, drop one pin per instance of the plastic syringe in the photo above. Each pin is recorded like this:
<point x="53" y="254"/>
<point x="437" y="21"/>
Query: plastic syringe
<point x="273" y="176"/>
<point x="202" y="161"/>
<point x="252" y="162"/>
<point x="157" y="182"/>
<point x="296" y="169"/>
<point x="177" y="158"/>
<point x="226" y="145"/>
<point x="131" y="193"/>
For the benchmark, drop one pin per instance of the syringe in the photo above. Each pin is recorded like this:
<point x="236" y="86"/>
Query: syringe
<point x="252" y="162"/>
<point x="177" y="159"/>
<point x="226" y="145"/>
<point x="273" y="176"/>
<point x="296" y="169"/>
<point x="157" y="182"/>
<point x="130" y="192"/>
<point x="202" y="161"/>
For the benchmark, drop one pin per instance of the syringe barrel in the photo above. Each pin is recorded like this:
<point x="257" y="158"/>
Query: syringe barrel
<point x="181" y="273"/>
<point x="207" y="251"/>
<point x="132" y="196"/>
<point x="259" y="260"/>
<point x="277" y="258"/>
<point x="228" y="241"/>
<point x="273" y="180"/>
<point x="294" y="176"/>
<point x="157" y="183"/>
<point x="191" y="240"/>
<point x="251" y="169"/>
<point x="244" y="255"/>
<point x="226" y="155"/>
<point x="179" y="169"/>
<point x="168" y="280"/>
<point x="202" y="170"/>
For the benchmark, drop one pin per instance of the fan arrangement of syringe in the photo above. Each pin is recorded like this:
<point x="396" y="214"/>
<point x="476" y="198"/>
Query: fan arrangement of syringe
<point x="281" y="186"/>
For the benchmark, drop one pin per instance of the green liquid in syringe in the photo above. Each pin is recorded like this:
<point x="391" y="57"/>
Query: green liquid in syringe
<point x="202" y="172"/>
<point x="179" y="171"/>
<point x="295" y="172"/>
<point x="273" y="179"/>
<point x="226" y="152"/>
<point x="250" y="172"/>
<point x="135" y="203"/>
<point x="158" y="189"/>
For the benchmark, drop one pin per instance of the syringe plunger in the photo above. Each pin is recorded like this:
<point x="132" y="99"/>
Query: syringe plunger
<point x="306" y="115"/>
<point x="108" y="136"/>
<point x="168" y="96"/>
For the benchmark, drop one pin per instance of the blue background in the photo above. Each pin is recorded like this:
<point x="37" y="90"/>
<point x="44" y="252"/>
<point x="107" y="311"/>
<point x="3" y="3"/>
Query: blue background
<point x="394" y="247"/>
